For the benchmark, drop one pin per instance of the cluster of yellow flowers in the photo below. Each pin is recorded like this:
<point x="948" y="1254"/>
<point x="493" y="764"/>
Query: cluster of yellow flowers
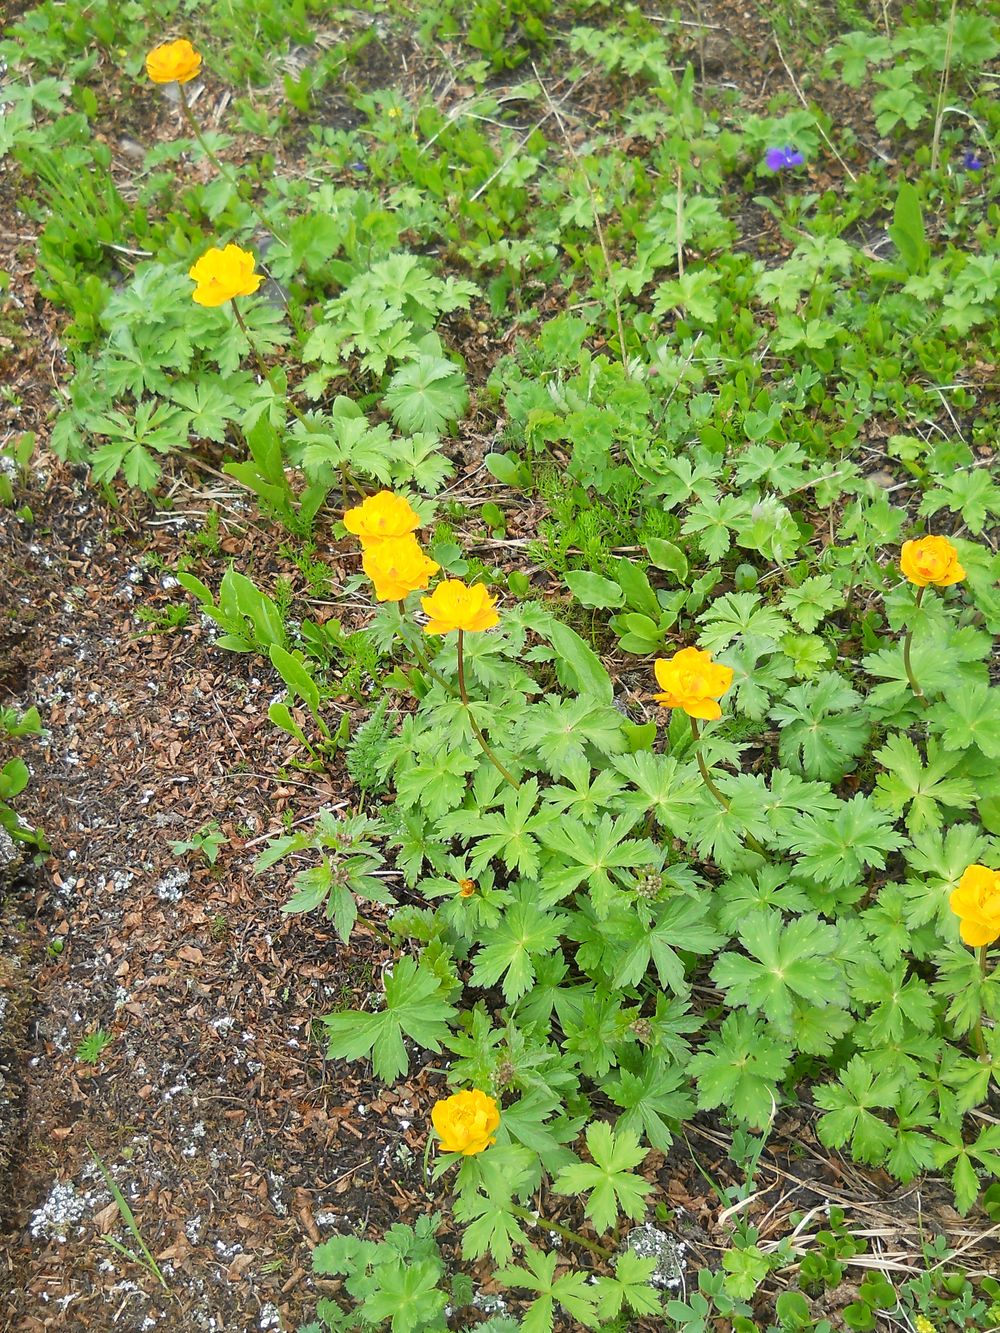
<point x="386" y="524"/>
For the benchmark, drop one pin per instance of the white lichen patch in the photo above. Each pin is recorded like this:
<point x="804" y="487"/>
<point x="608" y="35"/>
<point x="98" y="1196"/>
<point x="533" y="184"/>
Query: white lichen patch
<point x="171" y="887"/>
<point x="62" y="1210"/>
<point x="648" y="1242"/>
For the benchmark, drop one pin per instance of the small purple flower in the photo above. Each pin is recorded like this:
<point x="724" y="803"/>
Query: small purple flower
<point x="780" y="159"/>
<point x="971" y="163"/>
<point x="358" y="166"/>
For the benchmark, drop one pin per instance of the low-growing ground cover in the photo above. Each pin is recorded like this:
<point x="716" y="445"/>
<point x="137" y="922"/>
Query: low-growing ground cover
<point x="500" y="515"/>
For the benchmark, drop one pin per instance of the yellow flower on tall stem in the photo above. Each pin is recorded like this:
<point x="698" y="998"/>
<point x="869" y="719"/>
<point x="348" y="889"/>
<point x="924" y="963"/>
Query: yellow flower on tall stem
<point x="173" y="62"/>
<point x="976" y="903"/>
<point x="926" y="562"/>
<point x="469" y="609"/>
<point x="467" y="1122"/>
<point x="694" y="683"/>
<point x="219" y="275"/>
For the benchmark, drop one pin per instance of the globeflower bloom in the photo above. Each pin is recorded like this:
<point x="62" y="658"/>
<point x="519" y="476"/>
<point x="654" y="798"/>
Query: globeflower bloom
<point x="466" y="888"/>
<point x="692" y="681"/>
<point x="173" y="62"/>
<point x="381" y="517"/>
<point x="782" y="159"/>
<point x="931" y="560"/>
<point x="397" y="567"/>
<point x="222" y="274"/>
<point x="455" y="605"/>
<point x="466" y="1122"/>
<point x="976" y="903"/>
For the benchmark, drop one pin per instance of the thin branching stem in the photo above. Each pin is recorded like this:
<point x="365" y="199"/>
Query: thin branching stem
<point x="917" y="691"/>
<point x="483" y="742"/>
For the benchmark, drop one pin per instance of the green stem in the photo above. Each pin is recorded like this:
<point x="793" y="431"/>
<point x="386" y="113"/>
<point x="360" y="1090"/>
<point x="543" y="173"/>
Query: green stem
<point x="978" y="1039"/>
<point x="223" y="171"/>
<point x="917" y="691"/>
<point x="560" y="1230"/>
<point x="943" y="86"/>
<point x="264" y="369"/>
<point x="706" y="777"/>
<point x="484" y="744"/>
<point x="420" y="655"/>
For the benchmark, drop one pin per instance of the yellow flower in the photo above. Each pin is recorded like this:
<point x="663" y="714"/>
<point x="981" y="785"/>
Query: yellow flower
<point x="692" y="681"/>
<point x="173" y="62"/>
<point x="466" y="888"/>
<point x="455" y="605"/>
<point x="923" y="1325"/>
<point x="976" y="903"/>
<point x="466" y="1122"/>
<point x="379" y="517"/>
<point x="397" y="567"/>
<point x="931" y="560"/>
<point x="222" y="274"/>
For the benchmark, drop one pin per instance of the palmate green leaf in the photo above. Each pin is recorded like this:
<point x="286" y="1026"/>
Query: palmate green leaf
<point x="923" y="789"/>
<point x="937" y="864"/>
<point x="850" y="1107"/>
<point x="608" y="1180"/>
<point x="737" y="615"/>
<point x="413" y="1005"/>
<point x="572" y="1291"/>
<point x="740" y="1068"/>
<point x="768" y="886"/>
<point x="488" y="1226"/>
<point x="896" y="1002"/>
<point x="425" y="394"/>
<point x="630" y="1286"/>
<point x="667" y="790"/>
<point x="679" y="924"/>
<point x="650" y="1097"/>
<point x="788" y="960"/>
<point x="985" y="1153"/>
<point x="587" y="854"/>
<point x="969" y="716"/>
<point x="560" y="730"/>
<point x="436" y="783"/>
<point x="822" y="727"/>
<point x="525" y="929"/>
<point x="835" y="848"/>
<point x="407" y="1294"/>
<point x="512" y="834"/>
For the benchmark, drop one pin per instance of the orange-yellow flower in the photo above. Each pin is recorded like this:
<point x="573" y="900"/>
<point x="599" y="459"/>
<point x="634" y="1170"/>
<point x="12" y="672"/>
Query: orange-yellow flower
<point x="976" y="903"/>
<point x="173" y="62"/>
<point x="466" y="1122"/>
<point x="380" y="517"/>
<point x="931" y="560"/>
<point x="466" y="888"/>
<point x="692" y="681"/>
<point x="222" y="274"/>
<point x="456" y="605"/>
<point x="397" y="567"/>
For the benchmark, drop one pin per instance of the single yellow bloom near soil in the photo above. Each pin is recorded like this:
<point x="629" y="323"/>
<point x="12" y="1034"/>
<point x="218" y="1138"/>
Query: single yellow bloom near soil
<point x="931" y="560"/>
<point x="976" y="903"/>
<point x="466" y="1122"/>
<point x="457" y="605"/>
<point x="173" y="62"/>
<point x="220" y="275"/>
<point x="692" y="681"/>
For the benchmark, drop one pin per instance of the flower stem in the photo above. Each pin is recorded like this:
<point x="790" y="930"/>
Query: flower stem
<point x="223" y="171"/>
<point x="977" y="1032"/>
<point x="420" y="655"/>
<point x="560" y="1230"/>
<point x="917" y="691"/>
<point x="263" y="368"/>
<point x="484" y="744"/>
<point x="706" y="777"/>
